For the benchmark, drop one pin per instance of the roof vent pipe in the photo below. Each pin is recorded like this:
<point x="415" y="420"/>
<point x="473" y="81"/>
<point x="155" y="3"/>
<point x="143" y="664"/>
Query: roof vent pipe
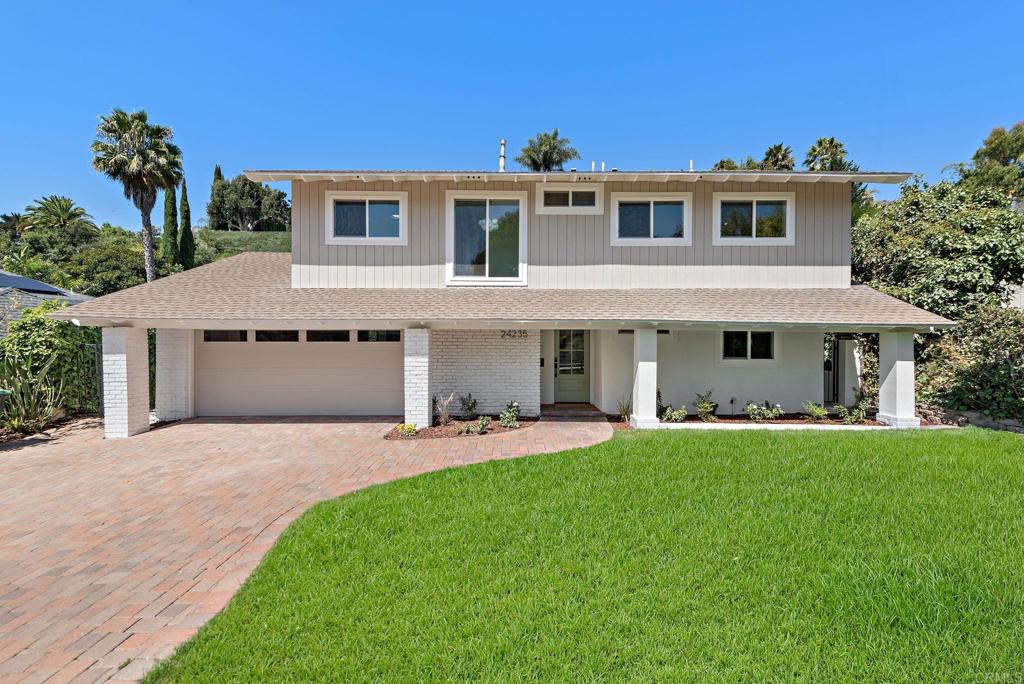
<point x="593" y="165"/>
<point x="691" y="166"/>
<point x="602" y="167"/>
<point x="501" y="158"/>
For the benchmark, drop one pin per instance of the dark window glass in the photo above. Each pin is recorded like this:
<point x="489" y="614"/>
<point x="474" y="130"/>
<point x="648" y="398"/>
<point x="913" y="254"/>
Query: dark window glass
<point x="350" y="219"/>
<point x="327" y="335"/>
<point x="668" y="219"/>
<point x="277" y="335"/>
<point x="771" y="218"/>
<point x="384" y="219"/>
<point x="470" y="238"/>
<point x="734" y="344"/>
<point x="737" y="219"/>
<point x="556" y="198"/>
<point x="225" y="335"/>
<point x="761" y="345"/>
<point x="379" y="335"/>
<point x="634" y="219"/>
<point x="584" y="198"/>
<point x="504" y="239"/>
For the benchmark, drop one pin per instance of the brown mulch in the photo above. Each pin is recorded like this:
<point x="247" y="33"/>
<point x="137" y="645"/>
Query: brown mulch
<point x="788" y="418"/>
<point x="453" y="428"/>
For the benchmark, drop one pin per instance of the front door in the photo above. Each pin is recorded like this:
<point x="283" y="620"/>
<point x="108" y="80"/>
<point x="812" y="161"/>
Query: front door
<point x="572" y="382"/>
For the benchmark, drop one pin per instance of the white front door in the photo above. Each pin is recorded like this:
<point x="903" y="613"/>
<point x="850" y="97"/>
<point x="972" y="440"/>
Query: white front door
<point x="572" y="381"/>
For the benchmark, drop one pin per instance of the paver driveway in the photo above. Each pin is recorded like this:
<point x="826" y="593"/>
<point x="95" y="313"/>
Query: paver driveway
<point x="114" y="552"/>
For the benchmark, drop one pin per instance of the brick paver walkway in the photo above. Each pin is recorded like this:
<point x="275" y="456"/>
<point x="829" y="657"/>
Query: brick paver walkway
<point x="114" y="552"/>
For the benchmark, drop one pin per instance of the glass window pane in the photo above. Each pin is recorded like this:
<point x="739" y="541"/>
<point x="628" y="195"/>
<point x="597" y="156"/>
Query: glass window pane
<point x="470" y="239"/>
<point x="350" y="219"/>
<point x="556" y="198"/>
<point x="761" y="345"/>
<point x="277" y="335"/>
<point x="737" y="219"/>
<point x="225" y="335"/>
<point x="634" y="219"/>
<point x="668" y="219"/>
<point x="771" y="218"/>
<point x="734" y="344"/>
<point x="384" y="219"/>
<point x="504" y="239"/>
<point x="379" y="335"/>
<point x="327" y="336"/>
<point x="584" y="198"/>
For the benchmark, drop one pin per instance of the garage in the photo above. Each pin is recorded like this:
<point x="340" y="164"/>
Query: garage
<point x="295" y="372"/>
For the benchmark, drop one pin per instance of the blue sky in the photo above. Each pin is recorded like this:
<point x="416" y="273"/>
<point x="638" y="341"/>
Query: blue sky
<point x="907" y="86"/>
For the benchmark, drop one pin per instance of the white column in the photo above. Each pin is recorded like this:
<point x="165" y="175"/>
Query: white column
<point x="417" y="377"/>
<point x="125" y="382"/>
<point x="849" y="379"/>
<point x="896" y="380"/>
<point x="175" y="374"/>
<point x="645" y="379"/>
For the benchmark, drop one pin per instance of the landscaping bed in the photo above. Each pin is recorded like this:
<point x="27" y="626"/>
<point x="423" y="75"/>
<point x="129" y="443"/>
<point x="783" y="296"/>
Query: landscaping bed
<point x="457" y="428"/>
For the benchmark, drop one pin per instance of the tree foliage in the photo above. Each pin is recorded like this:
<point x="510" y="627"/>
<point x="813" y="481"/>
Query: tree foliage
<point x="998" y="163"/>
<point x="54" y="227"/>
<point x="547" y="152"/>
<point x="169" y="232"/>
<point x="242" y="204"/>
<point x="778" y="158"/>
<point x="187" y="242"/>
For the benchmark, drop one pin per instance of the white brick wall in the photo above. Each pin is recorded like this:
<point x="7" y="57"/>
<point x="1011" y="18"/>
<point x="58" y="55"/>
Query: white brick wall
<point x="416" y="350"/>
<point x="175" y="372"/>
<point x="495" y="370"/>
<point x="125" y="382"/>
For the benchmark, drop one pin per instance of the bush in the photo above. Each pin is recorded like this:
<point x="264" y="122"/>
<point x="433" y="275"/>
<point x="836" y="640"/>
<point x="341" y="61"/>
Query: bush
<point x="468" y="407"/>
<point x="468" y="429"/>
<point x="706" y="406"/>
<point x="855" y="414"/>
<point x="625" y="409"/>
<point x="483" y="424"/>
<point x="34" y="400"/>
<point x="406" y="429"/>
<point x="509" y="418"/>
<point x="760" y="413"/>
<point x="815" y="413"/>
<point x="671" y="415"/>
<point x="442" y="408"/>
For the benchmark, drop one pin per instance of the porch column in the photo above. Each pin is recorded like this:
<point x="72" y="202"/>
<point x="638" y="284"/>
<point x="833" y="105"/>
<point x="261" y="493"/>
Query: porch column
<point x="175" y="374"/>
<point x="417" y="377"/>
<point x="849" y="376"/>
<point x="645" y="379"/>
<point x="125" y="382"/>
<point x="896" y="380"/>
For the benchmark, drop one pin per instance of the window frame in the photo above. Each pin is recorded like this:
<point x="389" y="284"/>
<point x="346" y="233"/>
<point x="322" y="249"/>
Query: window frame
<point x="596" y="210"/>
<point x="256" y="336"/>
<point x="718" y="240"/>
<point x="247" y="340"/>
<point x="401" y="337"/>
<point x="651" y="197"/>
<point x="402" y="197"/>
<point x="348" y="335"/>
<point x="449" y="237"/>
<point x="775" y="361"/>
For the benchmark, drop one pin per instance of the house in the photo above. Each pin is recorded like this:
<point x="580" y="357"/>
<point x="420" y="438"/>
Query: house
<point x="535" y="287"/>
<point x="18" y="293"/>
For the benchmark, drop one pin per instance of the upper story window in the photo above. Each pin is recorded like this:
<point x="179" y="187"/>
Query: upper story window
<point x="570" y="198"/>
<point x="759" y="218"/>
<point x="366" y="218"/>
<point x="648" y="219"/>
<point x="485" y="238"/>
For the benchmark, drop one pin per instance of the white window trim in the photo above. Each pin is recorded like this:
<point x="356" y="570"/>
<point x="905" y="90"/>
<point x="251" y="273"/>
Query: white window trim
<point x="652" y="197"/>
<point x="449" y="237"/>
<point x="748" y="362"/>
<point x="716" y="235"/>
<point x="596" y="210"/>
<point x="403" y="213"/>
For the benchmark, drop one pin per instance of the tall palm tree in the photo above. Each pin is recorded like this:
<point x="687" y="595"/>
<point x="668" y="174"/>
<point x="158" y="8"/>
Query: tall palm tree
<point x="59" y="214"/>
<point x="826" y="154"/>
<point x="547" y="152"/>
<point x="141" y="157"/>
<point x="778" y="158"/>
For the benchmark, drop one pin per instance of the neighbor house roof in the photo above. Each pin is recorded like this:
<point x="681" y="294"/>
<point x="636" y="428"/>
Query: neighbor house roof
<point x="371" y="175"/>
<point x="253" y="290"/>
<point x="17" y="282"/>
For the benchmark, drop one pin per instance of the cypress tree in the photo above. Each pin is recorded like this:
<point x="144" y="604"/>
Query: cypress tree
<point x="187" y="245"/>
<point x="215" y="207"/>
<point x="217" y="175"/>
<point x="169" y="239"/>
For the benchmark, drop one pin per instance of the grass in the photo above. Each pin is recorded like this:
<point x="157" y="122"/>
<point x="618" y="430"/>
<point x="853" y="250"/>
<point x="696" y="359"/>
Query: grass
<point x="218" y="244"/>
<point x="657" y="556"/>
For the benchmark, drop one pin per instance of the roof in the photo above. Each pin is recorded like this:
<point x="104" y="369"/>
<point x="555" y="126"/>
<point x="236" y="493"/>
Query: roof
<point x="371" y="175"/>
<point x="17" y="282"/>
<point x="253" y="290"/>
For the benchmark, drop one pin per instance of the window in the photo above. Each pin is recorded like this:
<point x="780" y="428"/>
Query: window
<point x="748" y="345"/>
<point x="277" y="335"/>
<point x="570" y="198"/>
<point x="327" y="336"/>
<point x="379" y="336"/>
<point x="762" y="218"/>
<point x="646" y="219"/>
<point x="486" y="238"/>
<point x="225" y="335"/>
<point x="571" y="351"/>
<point x="630" y="332"/>
<point x="366" y="218"/>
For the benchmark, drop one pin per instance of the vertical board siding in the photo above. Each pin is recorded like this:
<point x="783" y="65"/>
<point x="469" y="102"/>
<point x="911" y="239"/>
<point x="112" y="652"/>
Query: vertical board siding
<point x="576" y="251"/>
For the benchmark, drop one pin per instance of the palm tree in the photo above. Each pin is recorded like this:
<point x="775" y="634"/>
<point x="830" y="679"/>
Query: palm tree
<point x="141" y="157"/>
<point x="57" y="214"/>
<point x="547" y="152"/>
<point x="826" y="154"/>
<point x="778" y="158"/>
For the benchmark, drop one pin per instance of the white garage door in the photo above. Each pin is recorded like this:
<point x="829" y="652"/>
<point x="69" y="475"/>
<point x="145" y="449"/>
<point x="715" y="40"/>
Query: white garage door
<point x="273" y="378"/>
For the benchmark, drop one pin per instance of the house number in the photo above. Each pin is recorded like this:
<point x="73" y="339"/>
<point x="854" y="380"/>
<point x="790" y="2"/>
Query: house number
<point x="514" y="334"/>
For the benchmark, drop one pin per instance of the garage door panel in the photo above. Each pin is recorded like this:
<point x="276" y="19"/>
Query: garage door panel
<point x="301" y="403"/>
<point x="297" y="355"/>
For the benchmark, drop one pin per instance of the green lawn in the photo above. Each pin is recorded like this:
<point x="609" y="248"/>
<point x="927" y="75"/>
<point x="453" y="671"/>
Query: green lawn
<point x="657" y="556"/>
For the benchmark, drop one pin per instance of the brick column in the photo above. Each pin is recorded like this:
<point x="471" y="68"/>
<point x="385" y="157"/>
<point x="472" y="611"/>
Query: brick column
<point x="125" y="382"/>
<point x="896" y="404"/>
<point x="645" y="379"/>
<point x="417" y="377"/>
<point x="175" y="371"/>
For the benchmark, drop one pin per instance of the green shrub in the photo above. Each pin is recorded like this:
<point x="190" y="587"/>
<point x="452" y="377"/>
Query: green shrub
<point x="468" y="429"/>
<point x="34" y="400"/>
<point x="706" y="406"/>
<point x="760" y="413"/>
<point x="406" y="429"/>
<point x="483" y="424"/>
<point x="853" y="415"/>
<point x="671" y="415"/>
<point x="509" y="418"/>
<point x="468" y="407"/>
<point x="814" y="413"/>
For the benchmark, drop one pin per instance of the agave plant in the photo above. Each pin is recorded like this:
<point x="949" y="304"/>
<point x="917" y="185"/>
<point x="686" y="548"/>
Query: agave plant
<point x="34" y="401"/>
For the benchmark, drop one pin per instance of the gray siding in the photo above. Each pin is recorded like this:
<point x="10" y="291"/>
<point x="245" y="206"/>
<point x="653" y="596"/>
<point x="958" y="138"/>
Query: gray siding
<point x="575" y="251"/>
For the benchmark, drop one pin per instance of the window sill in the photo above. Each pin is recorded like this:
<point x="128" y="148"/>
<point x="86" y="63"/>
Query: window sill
<point x="750" y="363"/>
<point x="368" y="242"/>
<point x="652" y="242"/>
<point x="479" y="281"/>
<point x="717" y="241"/>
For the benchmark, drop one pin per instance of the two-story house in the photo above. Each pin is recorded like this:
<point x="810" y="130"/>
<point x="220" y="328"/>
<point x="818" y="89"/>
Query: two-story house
<point x="534" y="287"/>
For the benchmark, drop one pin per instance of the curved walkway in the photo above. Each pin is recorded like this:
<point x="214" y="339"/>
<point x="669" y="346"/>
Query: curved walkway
<point x="114" y="552"/>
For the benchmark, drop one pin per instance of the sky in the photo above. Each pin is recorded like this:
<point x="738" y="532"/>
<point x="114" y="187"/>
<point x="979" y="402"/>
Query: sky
<point x="430" y="85"/>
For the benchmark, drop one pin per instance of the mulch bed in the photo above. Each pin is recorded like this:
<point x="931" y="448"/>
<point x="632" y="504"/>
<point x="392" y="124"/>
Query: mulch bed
<point x="453" y="429"/>
<point x="788" y="418"/>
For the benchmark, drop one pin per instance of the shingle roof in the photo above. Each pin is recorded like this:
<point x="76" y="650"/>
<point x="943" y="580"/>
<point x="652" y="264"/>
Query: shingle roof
<point x="254" y="290"/>
<point x="373" y="175"/>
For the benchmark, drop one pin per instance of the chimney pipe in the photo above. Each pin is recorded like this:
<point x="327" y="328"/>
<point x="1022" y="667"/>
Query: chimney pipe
<point x="501" y="158"/>
<point x="602" y="167"/>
